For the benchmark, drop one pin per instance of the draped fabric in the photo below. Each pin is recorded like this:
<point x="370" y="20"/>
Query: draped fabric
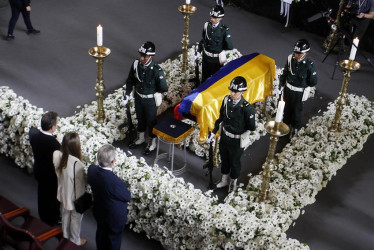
<point x="205" y="101"/>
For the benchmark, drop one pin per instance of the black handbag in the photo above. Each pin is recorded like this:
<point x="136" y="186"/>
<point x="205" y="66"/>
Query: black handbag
<point x="84" y="202"/>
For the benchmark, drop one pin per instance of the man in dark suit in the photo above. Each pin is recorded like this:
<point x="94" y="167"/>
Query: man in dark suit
<point x="43" y="144"/>
<point x="110" y="200"/>
<point x="18" y="7"/>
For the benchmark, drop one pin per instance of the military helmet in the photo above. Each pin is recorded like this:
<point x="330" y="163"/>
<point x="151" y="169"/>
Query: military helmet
<point x="217" y="12"/>
<point x="238" y="84"/>
<point x="301" y="46"/>
<point x="148" y="48"/>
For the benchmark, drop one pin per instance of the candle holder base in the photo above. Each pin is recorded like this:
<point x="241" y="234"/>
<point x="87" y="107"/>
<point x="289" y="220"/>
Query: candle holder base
<point x="349" y="65"/>
<point x="99" y="52"/>
<point x="279" y="130"/>
<point x="187" y="9"/>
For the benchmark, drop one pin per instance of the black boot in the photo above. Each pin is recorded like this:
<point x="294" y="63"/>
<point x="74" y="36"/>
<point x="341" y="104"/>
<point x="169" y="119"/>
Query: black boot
<point x="151" y="146"/>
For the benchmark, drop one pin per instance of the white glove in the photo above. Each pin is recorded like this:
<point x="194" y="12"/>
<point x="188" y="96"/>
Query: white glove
<point x="126" y="99"/>
<point x="210" y="137"/>
<point x="222" y="57"/>
<point x="280" y="91"/>
<point x="197" y="55"/>
<point x="306" y="94"/>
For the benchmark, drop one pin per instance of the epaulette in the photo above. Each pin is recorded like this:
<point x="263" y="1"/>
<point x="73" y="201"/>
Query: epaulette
<point x="224" y="27"/>
<point x="157" y="66"/>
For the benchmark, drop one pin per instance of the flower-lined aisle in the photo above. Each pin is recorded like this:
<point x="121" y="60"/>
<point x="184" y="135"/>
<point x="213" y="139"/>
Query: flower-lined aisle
<point x="180" y="216"/>
<point x="19" y="115"/>
<point x="172" y="211"/>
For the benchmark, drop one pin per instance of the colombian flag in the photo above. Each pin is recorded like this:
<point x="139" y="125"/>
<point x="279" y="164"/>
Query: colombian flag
<point x="205" y="101"/>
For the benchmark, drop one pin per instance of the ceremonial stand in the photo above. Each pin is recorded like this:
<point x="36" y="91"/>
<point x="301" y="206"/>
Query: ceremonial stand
<point x="171" y="131"/>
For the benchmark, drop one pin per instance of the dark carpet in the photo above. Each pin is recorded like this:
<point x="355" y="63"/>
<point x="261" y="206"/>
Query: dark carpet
<point x="54" y="71"/>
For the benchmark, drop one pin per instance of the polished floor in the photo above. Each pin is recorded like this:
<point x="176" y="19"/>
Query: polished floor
<point x="54" y="71"/>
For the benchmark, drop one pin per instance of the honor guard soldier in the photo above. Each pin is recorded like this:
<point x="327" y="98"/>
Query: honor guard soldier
<point x="236" y="117"/>
<point x="296" y="79"/>
<point x="147" y="79"/>
<point x="216" y="39"/>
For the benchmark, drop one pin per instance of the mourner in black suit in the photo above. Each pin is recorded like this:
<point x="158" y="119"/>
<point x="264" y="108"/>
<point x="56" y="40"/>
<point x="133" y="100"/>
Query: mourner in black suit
<point x="43" y="145"/>
<point x="18" y="7"/>
<point x="110" y="200"/>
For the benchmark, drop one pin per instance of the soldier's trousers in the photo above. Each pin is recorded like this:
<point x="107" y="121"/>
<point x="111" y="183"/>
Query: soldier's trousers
<point x="293" y="107"/>
<point x="210" y="65"/>
<point x="146" y="113"/>
<point x="230" y="153"/>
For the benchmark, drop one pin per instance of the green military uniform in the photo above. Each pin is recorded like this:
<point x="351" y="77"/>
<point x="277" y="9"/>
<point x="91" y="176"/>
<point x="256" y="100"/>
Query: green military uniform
<point x="147" y="80"/>
<point x="236" y="119"/>
<point x="296" y="76"/>
<point x="214" y="41"/>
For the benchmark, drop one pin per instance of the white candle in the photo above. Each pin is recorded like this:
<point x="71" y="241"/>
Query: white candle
<point x="279" y="115"/>
<point x="352" y="55"/>
<point x="188" y="1"/>
<point x="99" y="31"/>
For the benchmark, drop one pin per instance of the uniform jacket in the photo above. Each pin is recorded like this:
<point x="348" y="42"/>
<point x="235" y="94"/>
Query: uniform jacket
<point x="43" y="147"/>
<point x="65" y="190"/>
<point x="236" y="119"/>
<point x="110" y="195"/>
<point x="147" y="80"/>
<point x="299" y="74"/>
<point x="216" y="39"/>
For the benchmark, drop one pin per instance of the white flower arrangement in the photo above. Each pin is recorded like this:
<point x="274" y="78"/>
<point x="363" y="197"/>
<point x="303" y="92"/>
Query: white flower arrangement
<point x="172" y="211"/>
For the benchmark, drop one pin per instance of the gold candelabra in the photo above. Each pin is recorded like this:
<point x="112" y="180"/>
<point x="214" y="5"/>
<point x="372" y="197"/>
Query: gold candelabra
<point x="276" y="130"/>
<point x="99" y="53"/>
<point x="348" y="66"/>
<point x="186" y="10"/>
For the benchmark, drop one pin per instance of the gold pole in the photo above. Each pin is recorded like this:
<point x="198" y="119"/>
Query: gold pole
<point x="276" y="130"/>
<point x="186" y="10"/>
<point x="348" y="67"/>
<point x="99" y="53"/>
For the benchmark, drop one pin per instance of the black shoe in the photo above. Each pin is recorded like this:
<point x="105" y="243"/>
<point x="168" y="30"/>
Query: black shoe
<point x="151" y="146"/>
<point x="147" y="151"/>
<point x="10" y="37"/>
<point x="34" y="31"/>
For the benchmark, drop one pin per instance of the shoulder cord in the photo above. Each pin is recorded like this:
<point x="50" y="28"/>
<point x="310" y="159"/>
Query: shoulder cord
<point x="289" y="64"/>
<point x="206" y="30"/>
<point x="136" y="70"/>
<point x="225" y="103"/>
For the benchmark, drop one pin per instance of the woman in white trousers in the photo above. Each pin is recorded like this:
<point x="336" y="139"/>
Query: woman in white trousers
<point x="66" y="161"/>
